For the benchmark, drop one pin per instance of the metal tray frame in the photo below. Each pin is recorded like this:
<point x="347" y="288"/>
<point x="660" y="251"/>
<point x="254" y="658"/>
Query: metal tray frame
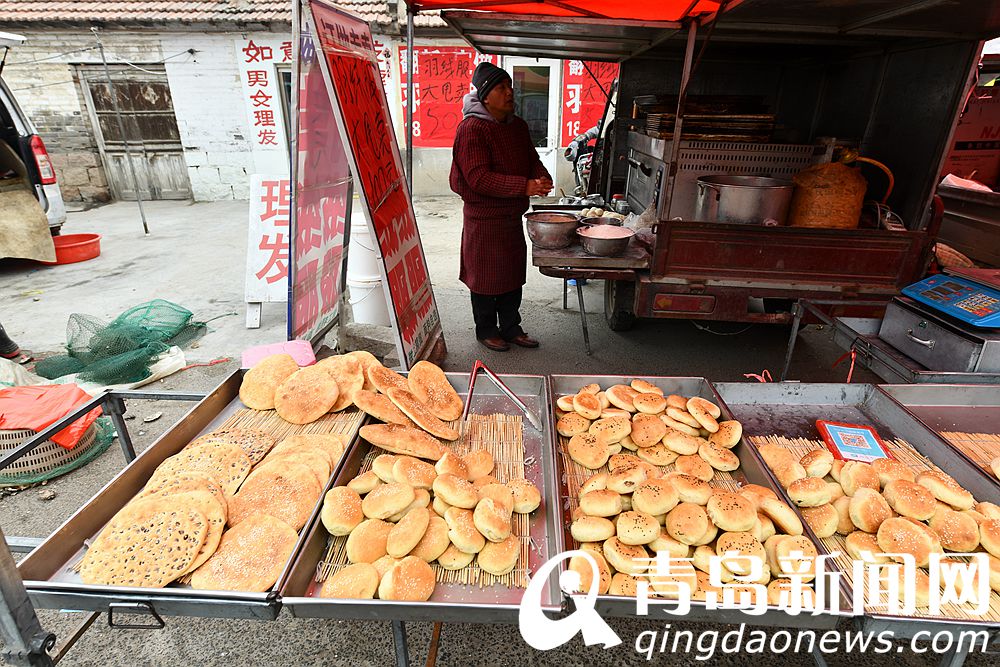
<point x="791" y="409"/>
<point x="861" y="333"/>
<point x="951" y="407"/>
<point x="476" y="607"/>
<point x="753" y="471"/>
<point x="64" y="545"/>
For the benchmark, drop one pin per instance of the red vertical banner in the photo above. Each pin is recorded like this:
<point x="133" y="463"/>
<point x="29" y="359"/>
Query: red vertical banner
<point x="583" y="98"/>
<point x="322" y="193"/>
<point x="363" y="119"/>
<point x="443" y="77"/>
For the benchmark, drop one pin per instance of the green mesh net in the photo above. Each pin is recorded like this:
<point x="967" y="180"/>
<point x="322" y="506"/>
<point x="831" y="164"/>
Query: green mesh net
<point x="122" y="351"/>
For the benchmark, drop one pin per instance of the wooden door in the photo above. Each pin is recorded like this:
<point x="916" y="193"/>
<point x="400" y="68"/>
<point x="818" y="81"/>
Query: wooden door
<point x="147" y="111"/>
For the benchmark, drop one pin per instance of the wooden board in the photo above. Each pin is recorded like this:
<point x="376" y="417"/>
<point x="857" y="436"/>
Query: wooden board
<point x="635" y="257"/>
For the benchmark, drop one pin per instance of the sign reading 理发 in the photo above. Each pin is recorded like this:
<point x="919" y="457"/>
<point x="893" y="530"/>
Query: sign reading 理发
<point x="363" y="119"/>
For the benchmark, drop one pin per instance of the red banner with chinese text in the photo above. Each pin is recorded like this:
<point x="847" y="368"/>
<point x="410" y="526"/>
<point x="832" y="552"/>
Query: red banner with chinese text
<point x="583" y="99"/>
<point x="322" y="192"/>
<point x="363" y="114"/>
<point x="444" y="76"/>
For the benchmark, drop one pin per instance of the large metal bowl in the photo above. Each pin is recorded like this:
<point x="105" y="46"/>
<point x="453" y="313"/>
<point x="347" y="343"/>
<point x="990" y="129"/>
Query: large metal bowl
<point x="604" y="247"/>
<point x="551" y="229"/>
<point x="603" y="220"/>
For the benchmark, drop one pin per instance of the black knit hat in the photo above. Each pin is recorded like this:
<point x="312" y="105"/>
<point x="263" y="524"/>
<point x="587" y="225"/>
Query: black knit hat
<point x="486" y="77"/>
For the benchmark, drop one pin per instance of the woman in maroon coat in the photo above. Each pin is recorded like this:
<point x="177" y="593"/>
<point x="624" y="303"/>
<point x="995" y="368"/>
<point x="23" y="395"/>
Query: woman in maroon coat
<point x="495" y="168"/>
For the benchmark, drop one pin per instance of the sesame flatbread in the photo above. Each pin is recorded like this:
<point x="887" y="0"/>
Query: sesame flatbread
<point x="227" y="465"/>
<point x="367" y="360"/>
<point x="431" y="387"/>
<point x="384" y="379"/>
<point x="421" y="416"/>
<point x="254" y="442"/>
<point x="350" y="377"/>
<point x="214" y="512"/>
<point x="306" y="395"/>
<point x="183" y="483"/>
<point x="250" y="557"/>
<point x="288" y="492"/>
<point x="404" y="440"/>
<point x="333" y="444"/>
<point x="381" y="408"/>
<point x="313" y="458"/>
<point x="261" y="382"/>
<point x="148" y="544"/>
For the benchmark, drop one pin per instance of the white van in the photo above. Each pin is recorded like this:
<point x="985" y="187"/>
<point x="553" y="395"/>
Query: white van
<point x="19" y="136"/>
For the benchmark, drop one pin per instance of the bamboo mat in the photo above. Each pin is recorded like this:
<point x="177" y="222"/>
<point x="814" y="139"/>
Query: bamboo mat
<point x="346" y="423"/>
<point x="980" y="447"/>
<point x="501" y="436"/>
<point x="904" y="453"/>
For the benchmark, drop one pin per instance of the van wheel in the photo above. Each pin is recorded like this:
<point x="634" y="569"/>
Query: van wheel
<point x="55" y="231"/>
<point x="619" y="304"/>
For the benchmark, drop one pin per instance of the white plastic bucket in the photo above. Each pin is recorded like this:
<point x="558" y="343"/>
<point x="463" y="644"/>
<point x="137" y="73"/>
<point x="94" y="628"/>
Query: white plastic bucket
<point x="368" y="302"/>
<point x="362" y="260"/>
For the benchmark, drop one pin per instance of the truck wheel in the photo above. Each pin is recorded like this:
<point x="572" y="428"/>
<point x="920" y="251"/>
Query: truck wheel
<point x="619" y="300"/>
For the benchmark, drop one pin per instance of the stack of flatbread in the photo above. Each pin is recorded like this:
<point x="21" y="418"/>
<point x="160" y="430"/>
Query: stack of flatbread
<point x="225" y="512"/>
<point x="416" y="411"/>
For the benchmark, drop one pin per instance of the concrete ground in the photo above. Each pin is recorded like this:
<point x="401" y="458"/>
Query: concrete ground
<point x="194" y="257"/>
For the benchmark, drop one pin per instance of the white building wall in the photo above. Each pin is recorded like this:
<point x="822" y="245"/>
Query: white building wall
<point x="211" y="115"/>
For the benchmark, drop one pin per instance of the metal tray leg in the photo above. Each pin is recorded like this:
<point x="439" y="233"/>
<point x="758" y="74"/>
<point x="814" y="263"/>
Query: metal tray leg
<point x="24" y="640"/>
<point x="565" y="290"/>
<point x="399" y="641"/>
<point x="792" y="338"/>
<point x="583" y="316"/>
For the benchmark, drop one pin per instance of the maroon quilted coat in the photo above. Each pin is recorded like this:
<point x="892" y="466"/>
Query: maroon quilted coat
<point x="491" y="165"/>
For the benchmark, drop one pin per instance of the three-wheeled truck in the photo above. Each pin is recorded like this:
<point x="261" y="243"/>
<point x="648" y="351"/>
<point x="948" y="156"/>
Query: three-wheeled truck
<point x="876" y="78"/>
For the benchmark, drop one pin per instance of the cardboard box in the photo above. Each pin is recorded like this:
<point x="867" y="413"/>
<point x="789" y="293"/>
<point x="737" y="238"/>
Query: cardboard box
<point x="975" y="151"/>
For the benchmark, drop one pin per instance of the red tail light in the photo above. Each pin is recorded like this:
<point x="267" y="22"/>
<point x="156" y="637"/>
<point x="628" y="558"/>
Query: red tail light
<point x="45" y="169"/>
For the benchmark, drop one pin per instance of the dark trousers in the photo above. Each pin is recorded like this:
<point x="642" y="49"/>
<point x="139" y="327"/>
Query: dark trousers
<point x="497" y="315"/>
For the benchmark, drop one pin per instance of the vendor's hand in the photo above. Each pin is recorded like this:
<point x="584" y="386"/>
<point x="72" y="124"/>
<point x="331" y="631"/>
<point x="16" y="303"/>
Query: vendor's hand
<point x="538" y="187"/>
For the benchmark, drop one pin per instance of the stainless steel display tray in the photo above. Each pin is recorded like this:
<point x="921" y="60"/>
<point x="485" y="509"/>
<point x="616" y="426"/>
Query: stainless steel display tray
<point x="52" y="584"/>
<point x="952" y="408"/>
<point x="450" y="602"/>
<point x="791" y="409"/>
<point x="890" y="364"/>
<point x="751" y="471"/>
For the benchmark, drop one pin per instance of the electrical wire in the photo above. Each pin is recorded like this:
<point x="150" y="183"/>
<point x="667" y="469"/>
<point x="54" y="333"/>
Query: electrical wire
<point x="118" y="62"/>
<point x="720" y="333"/>
<point x="22" y="63"/>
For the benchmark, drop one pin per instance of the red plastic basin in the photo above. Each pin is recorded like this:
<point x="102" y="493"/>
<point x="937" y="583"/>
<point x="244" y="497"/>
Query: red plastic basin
<point x="72" y="248"/>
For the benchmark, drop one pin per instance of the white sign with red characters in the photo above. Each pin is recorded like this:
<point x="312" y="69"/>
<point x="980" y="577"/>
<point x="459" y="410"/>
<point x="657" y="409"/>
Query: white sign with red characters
<point x="259" y="60"/>
<point x="267" y="244"/>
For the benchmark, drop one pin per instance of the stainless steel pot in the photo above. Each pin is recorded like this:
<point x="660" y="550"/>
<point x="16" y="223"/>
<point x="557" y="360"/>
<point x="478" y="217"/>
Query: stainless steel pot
<point x="551" y="229"/>
<point x="604" y="247"/>
<point x="748" y="200"/>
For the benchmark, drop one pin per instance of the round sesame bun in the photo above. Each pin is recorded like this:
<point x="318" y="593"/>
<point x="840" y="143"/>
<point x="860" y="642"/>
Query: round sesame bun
<point x="900" y="536"/>
<point x="957" y="531"/>
<point x="655" y="496"/>
<point x="910" y="499"/>
<point x="809" y="492"/>
<point x="731" y="512"/>
<point x="817" y="463"/>
<point x="946" y="489"/>
<point x="823" y="520"/>
<point x="687" y="523"/>
<point x="868" y="509"/>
